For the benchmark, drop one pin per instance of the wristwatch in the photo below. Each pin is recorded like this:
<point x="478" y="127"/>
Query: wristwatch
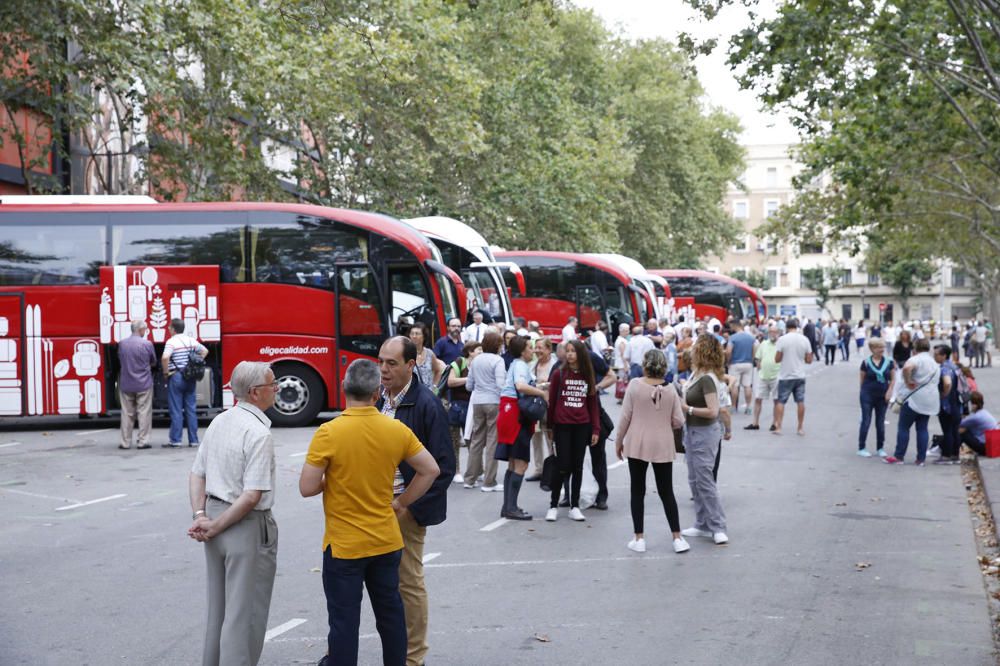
<point x="690" y="411"/>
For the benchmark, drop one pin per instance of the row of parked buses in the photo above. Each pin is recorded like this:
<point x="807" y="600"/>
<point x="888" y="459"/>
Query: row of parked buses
<point x="306" y="288"/>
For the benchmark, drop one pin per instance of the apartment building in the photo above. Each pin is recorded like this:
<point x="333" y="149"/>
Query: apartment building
<point x="765" y="186"/>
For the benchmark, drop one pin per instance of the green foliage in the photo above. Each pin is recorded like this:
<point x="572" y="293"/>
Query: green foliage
<point x="821" y="280"/>
<point x="529" y="119"/>
<point x="754" y="278"/>
<point x="897" y="105"/>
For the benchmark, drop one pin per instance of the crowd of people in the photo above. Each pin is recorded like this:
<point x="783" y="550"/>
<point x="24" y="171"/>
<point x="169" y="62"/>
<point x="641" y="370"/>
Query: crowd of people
<point x="512" y="394"/>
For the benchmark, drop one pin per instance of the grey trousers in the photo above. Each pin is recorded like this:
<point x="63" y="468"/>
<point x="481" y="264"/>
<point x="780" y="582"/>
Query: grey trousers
<point x="702" y="443"/>
<point x="241" y="564"/>
<point x="483" y="444"/>
<point x="136" y="405"/>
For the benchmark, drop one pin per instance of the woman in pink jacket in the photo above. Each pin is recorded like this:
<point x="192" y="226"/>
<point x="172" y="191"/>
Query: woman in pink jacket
<point x="651" y="411"/>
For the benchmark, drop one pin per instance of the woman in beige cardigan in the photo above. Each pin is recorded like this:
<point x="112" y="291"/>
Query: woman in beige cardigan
<point x="651" y="411"/>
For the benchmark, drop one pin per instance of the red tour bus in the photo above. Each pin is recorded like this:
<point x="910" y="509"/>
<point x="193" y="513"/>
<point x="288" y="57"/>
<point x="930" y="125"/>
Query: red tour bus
<point x="714" y="295"/>
<point x="306" y="288"/>
<point x="562" y="284"/>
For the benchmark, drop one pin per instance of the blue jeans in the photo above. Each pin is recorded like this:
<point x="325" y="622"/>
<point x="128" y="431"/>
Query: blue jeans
<point x="872" y="401"/>
<point x="907" y="417"/>
<point x="342" y="583"/>
<point x="181" y="400"/>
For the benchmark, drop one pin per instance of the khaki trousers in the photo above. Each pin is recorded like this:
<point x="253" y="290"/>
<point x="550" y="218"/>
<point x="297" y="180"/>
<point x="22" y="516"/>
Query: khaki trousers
<point x="483" y="444"/>
<point x="241" y="563"/>
<point x="136" y="405"/>
<point x="412" y="589"/>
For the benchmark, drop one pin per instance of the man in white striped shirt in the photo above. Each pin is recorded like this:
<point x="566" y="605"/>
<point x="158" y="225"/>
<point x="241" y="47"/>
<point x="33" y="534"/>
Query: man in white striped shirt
<point x="181" y="392"/>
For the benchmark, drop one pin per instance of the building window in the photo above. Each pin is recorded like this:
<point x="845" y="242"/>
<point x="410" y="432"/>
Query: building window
<point x="742" y="243"/>
<point x="771" y="207"/>
<point x="741" y="210"/>
<point x="764" y="244"/>
<point x="873" y="279"/>
<point x="811" y="247"/>
<point x="772" y="278"/>
<point x="772" y="176"/>
<point x="845" y="311"/>
<point x="957" y="277"/>
<point x="845" y="277"/>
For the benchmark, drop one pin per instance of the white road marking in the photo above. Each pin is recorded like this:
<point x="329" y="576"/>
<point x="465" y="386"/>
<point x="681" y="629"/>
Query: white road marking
<point x="79" y="504"/>
<point x="431" y="556"/>
<point x="92" y="432"/>
<point x="282" y="628"/>
<point x="4" y="446"/>
<point x="616" y="465"/>
<point x="25" y="492"/>
<point x="495" y="524"/>
<point x="297" y="455"/>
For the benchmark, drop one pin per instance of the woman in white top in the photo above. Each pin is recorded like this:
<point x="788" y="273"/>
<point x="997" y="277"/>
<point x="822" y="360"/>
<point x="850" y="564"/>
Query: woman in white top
<point x="859" y="336"/>
<point x="598" y="339"/>
<point x="651" y="412"/>
<point x="487" y="375"/>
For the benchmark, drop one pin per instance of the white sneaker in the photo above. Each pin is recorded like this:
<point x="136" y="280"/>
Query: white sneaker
<point x="479" y="479"/>
<point x="468" y="487"/>
<point x="864" y="453"/>
<point x="638" y="545"/>
<point x="458" y="479"/>
<point x="720" y="538"/>
<point x="576" y="514"/>
<point x="934" y="450"/>
<point x="552" y="514"/>
<point x="492" y="489"/>
<point x="681" y="545"/>
<point x="694" y="531"/>
<point x="882" y="453"/>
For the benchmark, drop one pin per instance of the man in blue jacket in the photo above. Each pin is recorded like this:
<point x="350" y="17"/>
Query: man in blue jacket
<point x="410" y="402"/>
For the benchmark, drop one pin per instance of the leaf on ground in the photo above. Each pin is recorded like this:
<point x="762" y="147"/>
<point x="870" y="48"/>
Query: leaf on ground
<point x="542" y="638"/>
<point x="315" y="570"/>
<point x="841" y="504"/>
<point x="861" y="566"/>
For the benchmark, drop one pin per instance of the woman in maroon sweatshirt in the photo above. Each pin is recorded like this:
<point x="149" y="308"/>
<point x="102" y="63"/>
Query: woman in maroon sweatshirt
<point x="574" y="422"/>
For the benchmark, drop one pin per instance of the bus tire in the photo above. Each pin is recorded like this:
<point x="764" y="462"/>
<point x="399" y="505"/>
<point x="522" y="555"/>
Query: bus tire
<point x="301" y="395"/>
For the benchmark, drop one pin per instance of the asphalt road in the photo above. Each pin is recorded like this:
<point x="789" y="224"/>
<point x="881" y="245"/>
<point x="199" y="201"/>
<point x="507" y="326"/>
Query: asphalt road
<point x="95" y="567"/>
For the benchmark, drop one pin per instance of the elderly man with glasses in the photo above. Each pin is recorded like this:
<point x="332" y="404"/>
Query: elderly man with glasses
<point x="232" y="489"/>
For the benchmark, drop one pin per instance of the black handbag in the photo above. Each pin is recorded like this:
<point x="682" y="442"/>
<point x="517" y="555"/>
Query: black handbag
<point x="532" y="408"/>
<point x="607" y="425"/>
<point x="550" y="474"/>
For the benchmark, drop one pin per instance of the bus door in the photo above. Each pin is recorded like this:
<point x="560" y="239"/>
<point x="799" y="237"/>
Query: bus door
<point x="589" y="306"/>
<point x="360" y="318"/>
<point x="410" y="301"/>
<point x="12" y="355"/>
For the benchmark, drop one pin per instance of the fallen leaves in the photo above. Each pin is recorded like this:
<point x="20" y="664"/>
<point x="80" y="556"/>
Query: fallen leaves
<point x="861" y="566"/>
<point x="542" y="638"/>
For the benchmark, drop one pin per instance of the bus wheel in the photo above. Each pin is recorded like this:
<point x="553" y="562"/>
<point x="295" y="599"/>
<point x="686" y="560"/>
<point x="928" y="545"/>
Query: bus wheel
<point x="300" y="395"/>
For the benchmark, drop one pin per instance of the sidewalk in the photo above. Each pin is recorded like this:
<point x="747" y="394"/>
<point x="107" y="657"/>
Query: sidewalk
<point x="988" y="380"/>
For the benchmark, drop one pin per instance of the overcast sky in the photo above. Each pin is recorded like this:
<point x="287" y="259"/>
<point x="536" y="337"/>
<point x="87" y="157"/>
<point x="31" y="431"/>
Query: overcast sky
<point x="644" y="19"/>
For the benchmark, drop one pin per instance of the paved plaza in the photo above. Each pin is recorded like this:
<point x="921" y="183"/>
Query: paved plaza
<point x="833" y="559"/>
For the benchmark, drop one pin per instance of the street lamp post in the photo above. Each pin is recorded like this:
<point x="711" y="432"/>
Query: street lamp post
<point x="863" y="303"/>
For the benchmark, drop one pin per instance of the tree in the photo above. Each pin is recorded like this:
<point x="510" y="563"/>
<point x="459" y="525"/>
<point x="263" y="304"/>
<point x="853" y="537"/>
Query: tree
<point x="822" y="280"/>
<point x="896" y="102"/>
<point x="754" y="278"/>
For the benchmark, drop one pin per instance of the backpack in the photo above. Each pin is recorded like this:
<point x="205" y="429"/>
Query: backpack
<point x="962" y="386"/>
<point x="195" y="368"/>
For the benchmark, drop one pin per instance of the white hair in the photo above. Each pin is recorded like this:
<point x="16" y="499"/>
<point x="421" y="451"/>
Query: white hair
<point x="246" y="375"/>
<point x="138" y="325"/>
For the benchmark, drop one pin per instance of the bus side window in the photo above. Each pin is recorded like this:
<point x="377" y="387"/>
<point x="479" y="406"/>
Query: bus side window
<point x="63" y="254"/>
<point x="182" y="244"/>
<point x="302" y="250"/>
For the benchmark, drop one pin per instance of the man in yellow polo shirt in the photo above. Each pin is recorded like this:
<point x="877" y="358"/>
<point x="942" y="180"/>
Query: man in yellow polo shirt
<point x="352" y="460"/>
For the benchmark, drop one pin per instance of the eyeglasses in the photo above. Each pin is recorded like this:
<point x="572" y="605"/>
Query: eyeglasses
<point x="273" y="385"/>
